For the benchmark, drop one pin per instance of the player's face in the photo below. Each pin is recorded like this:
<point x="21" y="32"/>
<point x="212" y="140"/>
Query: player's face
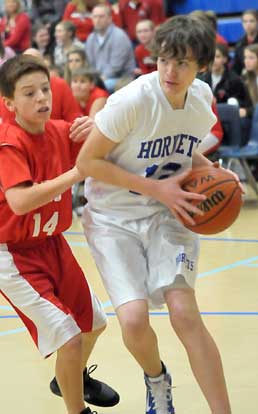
<point x="251" y="61"/>
<point x="32" y="102"/>
<point x="176" y="75"/>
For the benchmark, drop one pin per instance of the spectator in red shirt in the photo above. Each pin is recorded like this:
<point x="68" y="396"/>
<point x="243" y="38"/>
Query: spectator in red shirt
<point x="90" y="97"/>
<point x="145" y="31"/>
<point x="15" y="27"/>
<point x="79" y="12"/>
<point x="132" y="11"/>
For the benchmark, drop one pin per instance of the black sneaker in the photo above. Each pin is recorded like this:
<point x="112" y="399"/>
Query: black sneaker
<point x="95" y="392"/>
<point x="88" y="411"/>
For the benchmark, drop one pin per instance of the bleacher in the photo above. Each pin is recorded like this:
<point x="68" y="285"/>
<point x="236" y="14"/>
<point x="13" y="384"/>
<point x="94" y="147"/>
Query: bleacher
<point x="228" y="12"/>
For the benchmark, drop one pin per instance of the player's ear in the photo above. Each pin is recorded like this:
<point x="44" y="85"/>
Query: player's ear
<point x="9" y="103"/>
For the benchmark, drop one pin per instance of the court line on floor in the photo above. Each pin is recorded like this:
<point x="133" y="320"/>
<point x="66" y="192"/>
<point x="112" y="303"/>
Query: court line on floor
<point x="12" y="331"/>
<point x="227" y="267"/>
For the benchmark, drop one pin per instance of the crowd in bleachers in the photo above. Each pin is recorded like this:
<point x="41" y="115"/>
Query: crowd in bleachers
<point x="93" y="47"/>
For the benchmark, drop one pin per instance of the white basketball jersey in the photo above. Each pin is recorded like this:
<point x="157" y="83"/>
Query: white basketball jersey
<point x="154" y="140"/>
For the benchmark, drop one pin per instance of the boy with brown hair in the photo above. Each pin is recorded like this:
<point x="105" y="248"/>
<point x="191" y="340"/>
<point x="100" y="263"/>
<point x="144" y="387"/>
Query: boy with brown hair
<point x="39" y="275"/>
<point x="143" y="146"/>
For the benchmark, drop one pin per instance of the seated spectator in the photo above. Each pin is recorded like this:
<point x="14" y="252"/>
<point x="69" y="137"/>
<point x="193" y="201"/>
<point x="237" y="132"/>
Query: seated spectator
<point x="64" y="105"/>
<point x="213" y="140"/>
<point x="225" y="84"/>
<point x="76" y="58"/>
<point x="250" y="25"/>
<point x="65" y="40"/>
<point x="211" y="17"/>
<point x="109" y="49"/>
<point x="41" y="39"/>
<point x="90" y="97"/>
<point x="228" y="87"/>
<point x="145" y="30"/>
<point x="132" y="11"/>
<point x="15" y="27"/>
<point x="79" y="12"/>
<point x="5" y="52"/>
<point x="250" y="72"/>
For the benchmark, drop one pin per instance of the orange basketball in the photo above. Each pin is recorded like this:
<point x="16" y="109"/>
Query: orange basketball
<point x="223" y="203"/>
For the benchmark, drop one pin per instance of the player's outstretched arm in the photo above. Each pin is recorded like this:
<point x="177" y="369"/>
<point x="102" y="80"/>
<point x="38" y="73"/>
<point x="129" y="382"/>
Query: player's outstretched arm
<point x="26" y="197"/>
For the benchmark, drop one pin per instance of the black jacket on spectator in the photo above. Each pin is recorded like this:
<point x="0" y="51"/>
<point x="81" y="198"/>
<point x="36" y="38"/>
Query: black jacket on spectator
<point x="230" y="86"/>
<point x="238" y="64"/>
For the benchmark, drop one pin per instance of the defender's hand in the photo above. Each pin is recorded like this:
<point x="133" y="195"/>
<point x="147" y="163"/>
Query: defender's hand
<point x="80" y="129"/>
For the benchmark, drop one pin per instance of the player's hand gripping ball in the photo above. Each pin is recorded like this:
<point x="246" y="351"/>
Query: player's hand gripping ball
<point x="223" y="203"/>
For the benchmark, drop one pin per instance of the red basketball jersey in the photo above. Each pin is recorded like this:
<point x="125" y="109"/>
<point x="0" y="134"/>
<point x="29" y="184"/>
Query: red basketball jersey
<point x="32" y="158"/>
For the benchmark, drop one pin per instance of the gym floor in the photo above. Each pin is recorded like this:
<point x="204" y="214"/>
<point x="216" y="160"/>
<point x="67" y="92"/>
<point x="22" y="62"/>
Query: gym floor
<point x="227" y="292"/>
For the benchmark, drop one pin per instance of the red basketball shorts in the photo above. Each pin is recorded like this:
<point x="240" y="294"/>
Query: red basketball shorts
<point x="48" y="289"/>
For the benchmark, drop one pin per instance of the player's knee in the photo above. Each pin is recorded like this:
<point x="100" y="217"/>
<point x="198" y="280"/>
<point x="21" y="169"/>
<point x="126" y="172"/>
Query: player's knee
<point x="72" y="349"/>
<point x="134" y="327"/>
<point x="183" y="318"/>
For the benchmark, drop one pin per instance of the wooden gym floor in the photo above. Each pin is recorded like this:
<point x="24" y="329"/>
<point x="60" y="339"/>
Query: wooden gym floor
<point x="227" y="292"/>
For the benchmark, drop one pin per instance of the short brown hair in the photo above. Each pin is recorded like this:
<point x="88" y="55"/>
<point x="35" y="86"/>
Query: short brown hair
<point x="176" y="35"/>
<point x="13" y="69"/>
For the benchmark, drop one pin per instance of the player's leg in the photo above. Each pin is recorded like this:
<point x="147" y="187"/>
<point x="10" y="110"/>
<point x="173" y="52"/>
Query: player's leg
<point x="202" y="351"/>
<point x="69" y="374"/>
<point x="29" y="281"/>
<point x="71" y="359"/>
<point x="141" y="341"/>
<point x="139" y="337"/>
<point x="122" y="263"/>
<point x="77" y="296"/>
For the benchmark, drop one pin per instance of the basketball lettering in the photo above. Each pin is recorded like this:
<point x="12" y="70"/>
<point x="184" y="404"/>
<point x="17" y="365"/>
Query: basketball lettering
<point x="200" y="181"/>
<point x="216" y="198"/>
<point x="223" y="199"/>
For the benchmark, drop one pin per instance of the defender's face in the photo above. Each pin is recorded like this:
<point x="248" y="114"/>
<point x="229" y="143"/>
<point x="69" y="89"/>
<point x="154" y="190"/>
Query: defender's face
<point x="32" y="101"/>
<point x="176" y="75"/>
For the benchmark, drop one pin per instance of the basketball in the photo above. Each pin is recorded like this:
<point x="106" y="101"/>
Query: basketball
<point x="223" y="203"/>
